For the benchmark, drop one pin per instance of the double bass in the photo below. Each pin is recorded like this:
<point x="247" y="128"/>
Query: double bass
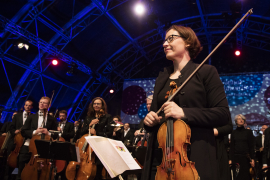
<point x="174" y="136"/>
<point x="87" y="168"/>
<point x="12" y="158"/>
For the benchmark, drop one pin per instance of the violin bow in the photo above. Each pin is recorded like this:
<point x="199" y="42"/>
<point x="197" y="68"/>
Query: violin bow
<point x="221" y="42"/>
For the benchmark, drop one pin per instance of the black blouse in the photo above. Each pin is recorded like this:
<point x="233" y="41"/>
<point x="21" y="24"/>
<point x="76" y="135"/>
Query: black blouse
<point x="103" y="128"/>
<point x="242" y="143"/>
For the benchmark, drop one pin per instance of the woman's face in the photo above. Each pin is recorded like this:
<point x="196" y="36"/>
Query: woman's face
<point x="175" y="48"/>
<point x="240" y="121"/>
<point x="97" y="105"/>
<point x="115" y="119"/>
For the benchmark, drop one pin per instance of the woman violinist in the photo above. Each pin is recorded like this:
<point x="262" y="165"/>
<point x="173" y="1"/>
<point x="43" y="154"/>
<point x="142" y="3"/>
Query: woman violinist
<point x="97" y="115"/>
<point x="202" y="104"/>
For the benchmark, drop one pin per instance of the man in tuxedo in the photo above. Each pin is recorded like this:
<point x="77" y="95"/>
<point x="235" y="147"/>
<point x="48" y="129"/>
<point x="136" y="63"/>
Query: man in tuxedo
<point x="18" y="119"/>
<point x="35" y="124"/>
<point x="66" y="128"/>
<point x="127" y="135"/>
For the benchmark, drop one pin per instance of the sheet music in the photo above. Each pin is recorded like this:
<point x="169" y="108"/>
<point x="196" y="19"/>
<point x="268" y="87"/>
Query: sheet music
<point x="113" y="154"/>
<point x="124" y="153"/>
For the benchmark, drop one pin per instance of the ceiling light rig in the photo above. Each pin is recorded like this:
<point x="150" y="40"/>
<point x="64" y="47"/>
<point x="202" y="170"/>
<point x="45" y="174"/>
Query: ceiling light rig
<point x="21" y="45"/>
<point x="73" y="69"/>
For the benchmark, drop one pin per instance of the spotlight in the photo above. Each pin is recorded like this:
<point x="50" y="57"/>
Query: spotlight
<point x="54" y="62"/>
<point x="139" y="9"/>
<point x="111" y="91"/>
<point x="21" y="45"/>
<point x="237" y="53"/>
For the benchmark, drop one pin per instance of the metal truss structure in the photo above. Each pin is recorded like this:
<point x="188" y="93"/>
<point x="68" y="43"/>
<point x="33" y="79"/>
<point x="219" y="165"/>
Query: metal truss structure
<point x="123" y="64"/>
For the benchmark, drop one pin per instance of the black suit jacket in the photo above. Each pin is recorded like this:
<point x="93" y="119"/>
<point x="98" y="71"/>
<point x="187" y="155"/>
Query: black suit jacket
<point x="68" y="131"/>
<point x="17" y="123"/>
<point x="258" y="142"/>
<point x="205" y="106"/>
<point x="31" y="124"/>
<point x="129" y="136"/>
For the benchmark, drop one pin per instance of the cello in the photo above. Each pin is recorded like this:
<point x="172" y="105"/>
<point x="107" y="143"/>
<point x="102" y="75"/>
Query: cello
<point x="174" y="136"/>
<point x="12" y="158"/>
<point x="87" y="168"/>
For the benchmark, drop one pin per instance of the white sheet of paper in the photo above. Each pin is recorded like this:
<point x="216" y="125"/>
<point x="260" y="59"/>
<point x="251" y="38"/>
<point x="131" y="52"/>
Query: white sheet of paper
<point x="113" y="154"/>
<point x="125" y="154"/>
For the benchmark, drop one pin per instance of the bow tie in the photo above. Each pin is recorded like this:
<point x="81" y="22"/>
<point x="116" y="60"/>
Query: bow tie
<point x="41" y="114"/>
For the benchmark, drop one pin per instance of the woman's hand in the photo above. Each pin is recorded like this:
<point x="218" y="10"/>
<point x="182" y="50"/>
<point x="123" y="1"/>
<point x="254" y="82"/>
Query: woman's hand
<point x="93" y="131"/>
<point x="152" y="119"/>
<point x="94" y="121"/>
<point x="172" y="110"/>
<point x="215" y="132"/>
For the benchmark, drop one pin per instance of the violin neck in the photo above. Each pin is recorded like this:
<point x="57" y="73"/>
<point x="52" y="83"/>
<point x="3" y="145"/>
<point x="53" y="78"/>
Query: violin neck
<point x="169" y="136"/>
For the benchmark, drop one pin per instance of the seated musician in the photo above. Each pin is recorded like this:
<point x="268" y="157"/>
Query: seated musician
<point x="127" y="135"/>
<point x="66" y="128"/>
<point x="6" y="170"/>
<point x="116" y="130"/>
<point x="98" y="120"/>
<point x="35" y="124"/>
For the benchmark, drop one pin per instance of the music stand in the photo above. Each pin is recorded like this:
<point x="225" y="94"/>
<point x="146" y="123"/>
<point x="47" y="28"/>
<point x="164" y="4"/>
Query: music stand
<point x="56" y="150"/>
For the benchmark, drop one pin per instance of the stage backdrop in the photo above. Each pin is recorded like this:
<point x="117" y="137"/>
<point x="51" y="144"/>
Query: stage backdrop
<point x="247" y="94"/>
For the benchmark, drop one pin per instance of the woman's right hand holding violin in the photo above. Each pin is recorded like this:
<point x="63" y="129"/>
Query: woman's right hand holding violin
<point x="152" y="119"/>
<point x="94" y="121"/>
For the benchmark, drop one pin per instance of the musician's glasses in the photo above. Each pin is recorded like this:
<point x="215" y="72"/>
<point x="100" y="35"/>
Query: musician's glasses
<point x="170" y="38"/>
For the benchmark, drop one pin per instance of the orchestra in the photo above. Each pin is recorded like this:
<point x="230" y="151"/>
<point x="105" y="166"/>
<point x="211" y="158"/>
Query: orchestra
<point x="186" y="134"/>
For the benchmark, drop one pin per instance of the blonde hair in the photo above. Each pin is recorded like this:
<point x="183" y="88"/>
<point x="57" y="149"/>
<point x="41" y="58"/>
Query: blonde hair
<point x="242" y="116"/>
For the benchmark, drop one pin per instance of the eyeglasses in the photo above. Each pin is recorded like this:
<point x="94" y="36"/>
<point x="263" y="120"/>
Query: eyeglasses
<point x="170" y="38"/>
<point x="43" y="103"/>
<point x="97" y="104"/>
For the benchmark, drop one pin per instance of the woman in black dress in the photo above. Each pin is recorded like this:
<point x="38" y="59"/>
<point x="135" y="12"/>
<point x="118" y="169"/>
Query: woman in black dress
<point x="202" y="104"/>
<point x="101" y="122"/>
<point x="242" y="148"/>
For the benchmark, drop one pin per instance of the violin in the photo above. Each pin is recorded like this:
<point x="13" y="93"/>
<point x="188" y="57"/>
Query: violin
<point x="87" y="168"/>
<point x="12" y="158"/>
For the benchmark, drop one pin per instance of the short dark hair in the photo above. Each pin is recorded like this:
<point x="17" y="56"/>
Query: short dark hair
<point x="63" y="112"/>
<point x="118" y="117"/>
<point x="189" y="38"/>
<point x="29" y="101"/>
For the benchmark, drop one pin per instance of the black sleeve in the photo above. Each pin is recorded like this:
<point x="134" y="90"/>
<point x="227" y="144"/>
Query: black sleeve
<point x="27" y="130"/>
<point x="13" y="125"/>
<point x="225" y="130"/>
<point x="70" y="133"/>
<point x="251" y="144"/>
<point x="231" y="154"/>
<point x="217" y="114"/>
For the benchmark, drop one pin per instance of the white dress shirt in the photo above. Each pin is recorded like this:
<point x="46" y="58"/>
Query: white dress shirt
<point x="125" y="132"/>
